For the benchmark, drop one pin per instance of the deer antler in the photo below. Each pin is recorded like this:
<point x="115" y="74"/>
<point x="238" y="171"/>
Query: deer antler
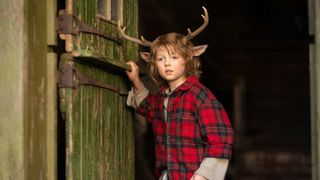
<point x="142" y="42"/>
<point x="201" y="28"/>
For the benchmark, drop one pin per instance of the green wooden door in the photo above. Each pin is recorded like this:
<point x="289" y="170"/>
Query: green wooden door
<point x="99" y="126"/>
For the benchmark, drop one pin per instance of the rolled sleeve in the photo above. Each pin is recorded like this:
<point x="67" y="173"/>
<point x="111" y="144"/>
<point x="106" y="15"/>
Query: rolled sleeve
<point x="136" y="97"/>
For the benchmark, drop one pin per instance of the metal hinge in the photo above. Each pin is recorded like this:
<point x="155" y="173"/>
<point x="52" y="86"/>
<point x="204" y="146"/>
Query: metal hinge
<point x="70" y="24"/>
<point x="69" y="77"/>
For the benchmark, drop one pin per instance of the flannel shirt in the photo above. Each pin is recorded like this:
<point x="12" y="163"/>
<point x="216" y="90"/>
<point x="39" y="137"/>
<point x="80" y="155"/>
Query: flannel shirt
<point x="197" y="127"/>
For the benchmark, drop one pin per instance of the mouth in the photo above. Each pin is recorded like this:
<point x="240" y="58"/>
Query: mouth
<point x="168" y="71"/>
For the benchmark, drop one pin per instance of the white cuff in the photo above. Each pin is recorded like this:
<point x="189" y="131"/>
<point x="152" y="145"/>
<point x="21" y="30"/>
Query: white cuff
<point x="213" y="168"/>
<point x="136" y="97"/>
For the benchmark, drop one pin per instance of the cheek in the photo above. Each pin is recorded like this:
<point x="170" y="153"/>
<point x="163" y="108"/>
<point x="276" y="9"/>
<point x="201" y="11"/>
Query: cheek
<point x="158" y="65"/>
<point x="158" y="68"/>
<point x="182" y="65"/>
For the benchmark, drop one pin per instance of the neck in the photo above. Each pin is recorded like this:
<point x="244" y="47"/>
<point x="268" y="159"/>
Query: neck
<point x="174" y="84"/>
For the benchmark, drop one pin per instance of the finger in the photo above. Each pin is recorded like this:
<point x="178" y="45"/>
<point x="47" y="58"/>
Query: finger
<point x="132" y="67"/>
<point x="131" y="63"/>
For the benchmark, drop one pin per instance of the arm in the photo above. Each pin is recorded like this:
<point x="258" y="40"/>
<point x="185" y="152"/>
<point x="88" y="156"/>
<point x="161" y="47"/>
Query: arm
<point x="139" y="97"/>
<point x="217" y="132"/>
<point x="133" y="75"/>
<point x="138" y="93"/>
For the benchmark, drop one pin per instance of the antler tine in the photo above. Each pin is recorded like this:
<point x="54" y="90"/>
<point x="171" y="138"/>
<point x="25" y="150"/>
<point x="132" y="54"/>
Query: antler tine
<point x="202" y="27"/>
<point x="142" y="42"/>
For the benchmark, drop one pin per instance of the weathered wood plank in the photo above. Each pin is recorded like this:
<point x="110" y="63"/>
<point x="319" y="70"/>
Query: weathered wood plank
<point x="315" y="85"/>
<point x="104" y="132"/>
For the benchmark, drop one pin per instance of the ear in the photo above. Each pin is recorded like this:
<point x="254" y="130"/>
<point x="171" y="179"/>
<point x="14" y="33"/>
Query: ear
<point x="198" y="50"/>
<point x="145" y="56"/>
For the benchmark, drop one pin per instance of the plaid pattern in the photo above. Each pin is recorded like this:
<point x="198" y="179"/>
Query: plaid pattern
<point x="197" y="127"/>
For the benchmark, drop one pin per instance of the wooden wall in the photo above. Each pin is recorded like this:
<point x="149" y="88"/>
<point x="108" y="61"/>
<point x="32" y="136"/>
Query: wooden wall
<point x="27" y="101"/>
<point x="12" y="88"/>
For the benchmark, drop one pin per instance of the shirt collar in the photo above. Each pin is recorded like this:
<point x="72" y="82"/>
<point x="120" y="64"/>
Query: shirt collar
<point x="183" y="87"/>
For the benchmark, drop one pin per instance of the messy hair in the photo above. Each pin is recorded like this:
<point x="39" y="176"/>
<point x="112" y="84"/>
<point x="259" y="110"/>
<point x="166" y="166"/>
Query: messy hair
<point x="174" y="42"/>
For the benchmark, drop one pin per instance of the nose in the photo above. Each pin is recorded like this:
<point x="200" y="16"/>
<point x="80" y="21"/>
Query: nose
<point x="167" y="62"/>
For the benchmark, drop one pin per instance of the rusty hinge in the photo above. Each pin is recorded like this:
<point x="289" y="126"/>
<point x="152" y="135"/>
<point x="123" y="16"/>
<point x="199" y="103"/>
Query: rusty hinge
<point x="70" y="24"/>
<point x="69" y="77"/>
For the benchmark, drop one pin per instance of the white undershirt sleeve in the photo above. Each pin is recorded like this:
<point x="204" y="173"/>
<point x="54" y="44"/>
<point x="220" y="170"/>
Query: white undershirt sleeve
<point x="136" y="97"/>
<point x="213" y="168"/>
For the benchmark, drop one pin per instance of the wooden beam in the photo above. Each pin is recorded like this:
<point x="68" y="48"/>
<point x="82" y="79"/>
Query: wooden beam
<point x="11" y="82"/>
<point x="314" y="19"/>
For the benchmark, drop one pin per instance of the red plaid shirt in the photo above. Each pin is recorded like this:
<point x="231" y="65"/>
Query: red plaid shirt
<point x="197" y="127"/>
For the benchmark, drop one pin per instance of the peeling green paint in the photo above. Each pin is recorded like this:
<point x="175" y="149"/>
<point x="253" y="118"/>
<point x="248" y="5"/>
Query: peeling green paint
<point x="100" y="139"/>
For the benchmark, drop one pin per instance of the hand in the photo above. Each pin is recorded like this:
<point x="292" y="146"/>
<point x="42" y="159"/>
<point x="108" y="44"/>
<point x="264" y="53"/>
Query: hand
<point x="198" y="177"/>
<point x="133" y="75"/>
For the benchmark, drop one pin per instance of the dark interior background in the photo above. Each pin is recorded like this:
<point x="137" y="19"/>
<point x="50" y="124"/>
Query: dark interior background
<point x="257" y="64"/>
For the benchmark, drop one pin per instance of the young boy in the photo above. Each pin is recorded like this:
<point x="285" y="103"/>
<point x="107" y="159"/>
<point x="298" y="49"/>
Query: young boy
<point x="193" y="134"/>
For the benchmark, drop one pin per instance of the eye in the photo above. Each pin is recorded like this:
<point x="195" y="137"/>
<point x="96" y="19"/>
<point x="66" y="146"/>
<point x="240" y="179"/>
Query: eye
<point x="175" y="57"/>
<point x="159" y="59"/>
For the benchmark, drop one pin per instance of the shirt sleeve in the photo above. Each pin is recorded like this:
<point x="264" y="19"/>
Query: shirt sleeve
<point x="215" y="126"/>
<point x="213" y="168"/>
<point x="136" y="97"/>
<point x="142" y="102"/>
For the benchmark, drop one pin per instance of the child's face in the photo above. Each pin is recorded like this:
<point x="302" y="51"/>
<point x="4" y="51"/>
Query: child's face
<point x="170" y="65"/>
